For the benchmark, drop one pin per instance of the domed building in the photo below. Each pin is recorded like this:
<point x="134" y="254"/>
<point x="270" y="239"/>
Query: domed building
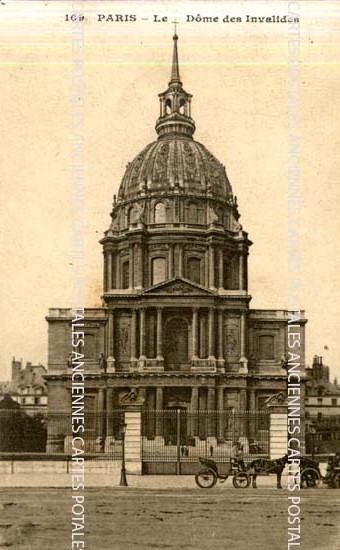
<point x="175" y="323"/>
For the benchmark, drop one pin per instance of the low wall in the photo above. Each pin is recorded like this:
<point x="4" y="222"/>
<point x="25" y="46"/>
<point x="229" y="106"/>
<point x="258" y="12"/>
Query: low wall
<point x="57" y="466"/>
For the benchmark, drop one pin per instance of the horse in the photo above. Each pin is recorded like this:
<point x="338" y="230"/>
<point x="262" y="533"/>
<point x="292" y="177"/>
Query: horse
<point x="267" y="466"/>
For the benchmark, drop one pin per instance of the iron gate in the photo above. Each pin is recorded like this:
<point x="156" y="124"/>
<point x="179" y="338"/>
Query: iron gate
<point x="174" y="439"/>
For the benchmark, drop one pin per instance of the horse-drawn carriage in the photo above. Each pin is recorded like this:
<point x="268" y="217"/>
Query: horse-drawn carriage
<point x="242" y="475"/>
<point x="308" y="476"/>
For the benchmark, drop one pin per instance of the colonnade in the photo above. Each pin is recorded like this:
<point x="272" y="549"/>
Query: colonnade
<point x="215" y="338"/>
<point x="213" y="275"/>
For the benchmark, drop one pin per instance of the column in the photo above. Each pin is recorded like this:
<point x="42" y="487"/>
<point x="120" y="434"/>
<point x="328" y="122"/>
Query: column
<point x="240" y="271"/>
<point x="195" y="333"/>
<point x="180" y="260"/>
<point x="202" y="339"/>
<point x="211" y="411"/>
<point x="220" y="334"/>
<point x="109" y="271"/>
<point x="243" y="407"/>
<point x="211" y="267"/>
<point x="110" y="342"/>
<point x="211" y="328"/>
<point x="159" y="350"/>
<point x="100" y="426"/>
<point x="114" y="270"/>
<point x="242" y="334"/>
<point x="142" y="327"/>
<point x="170" y="262"/>
<point x="138" y="269"/>
<point x="206" y="268"/>
<point x="109" y="419"/>
<point x="133" y="335"/>
<point x="159" y="407"/>
<point x="131" y="266"/>
<point x="251" y="409"/>
<point x="220" y="413"/>
<point x="193" y="413"/>
<point x="220" y="269"/>
<point x="118" y="281"/>
<point x="105" y="285"/>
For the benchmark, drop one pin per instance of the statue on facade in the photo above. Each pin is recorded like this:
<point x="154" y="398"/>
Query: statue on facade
<point x="102" y="363"/>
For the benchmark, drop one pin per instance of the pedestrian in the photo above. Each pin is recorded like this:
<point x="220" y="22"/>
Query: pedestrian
<point x="211" y="449"/>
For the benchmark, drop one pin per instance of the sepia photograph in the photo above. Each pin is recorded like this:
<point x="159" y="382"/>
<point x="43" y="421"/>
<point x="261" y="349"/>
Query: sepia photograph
<point x="170" y="358"/>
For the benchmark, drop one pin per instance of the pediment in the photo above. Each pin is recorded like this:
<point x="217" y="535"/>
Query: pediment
<point x="178" y="287"/>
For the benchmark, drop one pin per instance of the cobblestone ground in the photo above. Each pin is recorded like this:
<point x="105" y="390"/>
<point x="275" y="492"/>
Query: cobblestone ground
<point x="174" y="519"/>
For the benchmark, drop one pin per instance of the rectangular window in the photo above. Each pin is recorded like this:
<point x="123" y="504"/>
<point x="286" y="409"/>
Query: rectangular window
<point x="194" y="270"/>
<point x="334" y="401"/>
<point x="158" y="270"/>
<point x="319" y="400"/>
<point x="125" y="275"/>
<point x="266" y="347"/>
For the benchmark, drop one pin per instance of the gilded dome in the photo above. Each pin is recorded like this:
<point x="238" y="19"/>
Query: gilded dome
<point x="175" y="162"/>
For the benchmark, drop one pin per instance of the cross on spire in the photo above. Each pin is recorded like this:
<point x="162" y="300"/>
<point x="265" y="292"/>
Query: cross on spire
<point x="175" y="23"/>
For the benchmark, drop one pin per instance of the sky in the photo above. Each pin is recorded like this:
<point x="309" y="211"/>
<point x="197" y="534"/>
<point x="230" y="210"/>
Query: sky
<point x="238" y="75"/>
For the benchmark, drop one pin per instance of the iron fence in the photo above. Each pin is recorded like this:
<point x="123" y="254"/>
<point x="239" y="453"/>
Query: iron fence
<point x="182" y="436"/>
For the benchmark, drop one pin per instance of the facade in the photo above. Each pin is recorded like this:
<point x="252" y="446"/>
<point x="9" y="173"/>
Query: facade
<point x="27" y="387"/>
<point x="175" y="323"/>
<point x="322" y="396"/>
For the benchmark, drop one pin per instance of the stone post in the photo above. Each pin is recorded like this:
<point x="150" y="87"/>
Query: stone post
<point x="278" y="435"/>
<point x="133" y="406"/>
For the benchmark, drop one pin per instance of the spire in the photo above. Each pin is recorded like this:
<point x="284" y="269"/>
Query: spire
<point x="175" y="79"/>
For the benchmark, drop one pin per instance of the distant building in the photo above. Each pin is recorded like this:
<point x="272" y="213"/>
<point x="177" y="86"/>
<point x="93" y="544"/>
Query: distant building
<point x="322" y="396"/>
<point x="27" y="387"/>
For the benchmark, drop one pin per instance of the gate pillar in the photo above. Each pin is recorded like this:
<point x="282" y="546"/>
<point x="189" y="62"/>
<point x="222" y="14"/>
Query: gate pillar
<point x="278" y="435"/>
<point x="132" y="403"/>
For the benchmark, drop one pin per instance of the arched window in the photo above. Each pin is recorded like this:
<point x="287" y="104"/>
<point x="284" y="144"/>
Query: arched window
<point x="194" y="270"/>
<point x="160" y="213"/>
<point x="168" y="107"/>
<point x="220" y="215"/>
<point x="132" y="215"/>
<point x="266" y="347"/>
<point x="158" y="270"/>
